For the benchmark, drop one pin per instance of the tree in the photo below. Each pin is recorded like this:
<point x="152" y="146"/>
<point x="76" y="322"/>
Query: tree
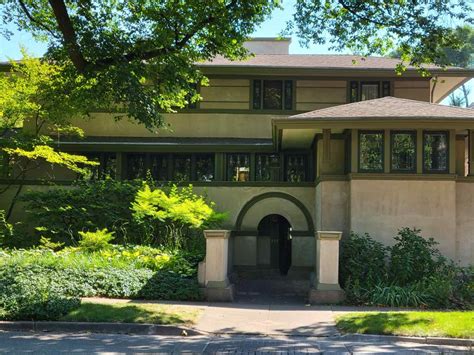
<point x="138" y="55"/>
<point x="417" y="29"/>
<point x="29" y="100"/>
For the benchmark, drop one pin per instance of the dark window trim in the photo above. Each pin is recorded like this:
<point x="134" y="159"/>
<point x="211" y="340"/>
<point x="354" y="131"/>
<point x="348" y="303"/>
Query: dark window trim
<point x="448" y="146"/>
<point x="414" y="135"/>
<point x="359" y="169"/>
<point x="283" y="95"/>
<point x="370" y="82"/>
<point x="357" y="85"/>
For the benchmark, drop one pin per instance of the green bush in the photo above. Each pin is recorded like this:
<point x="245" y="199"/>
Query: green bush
<point x="415" y="274"/>
<point x="27" y="294"/>
<point x="95" y="241"/>
<point x="6" y="229"/>
<point x="59" y="214"/>
<point x="362" y="261"/>
<point x="413" y="258"/>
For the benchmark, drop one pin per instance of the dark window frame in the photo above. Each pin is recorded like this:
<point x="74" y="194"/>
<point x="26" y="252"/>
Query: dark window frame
<point x="359" y="169"/>
<point x="257" y="103"/>
<point x="448" y="146"/>
<point x="384" y="88"/>
<point x="415" y="136"/>
<point x="226" y="166"/>
<point x="307" y="170"/>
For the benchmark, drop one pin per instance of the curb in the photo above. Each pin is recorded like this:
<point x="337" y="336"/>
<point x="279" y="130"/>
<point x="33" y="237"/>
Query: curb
<point x="418" y="340"/>
<point x="97" y="327"/>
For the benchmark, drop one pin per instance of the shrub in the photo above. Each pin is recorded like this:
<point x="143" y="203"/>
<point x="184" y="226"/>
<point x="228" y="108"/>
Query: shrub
<point x="397" y="296"/>
<point x="363" y="261"/>
<point x="413" y="258"/>
<point x="26" y="294"/>
<point x="95" y="241"/>
<point x="59" y="214"/>
<point x="6" y="229"/>
<point x="170" y="216"/>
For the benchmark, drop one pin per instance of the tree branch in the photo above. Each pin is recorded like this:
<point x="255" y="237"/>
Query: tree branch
<point x="25" y="10"/>
<point x="69" y="34"/>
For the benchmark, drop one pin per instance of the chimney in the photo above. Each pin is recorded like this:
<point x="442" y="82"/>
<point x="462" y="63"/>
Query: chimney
<point x="268" y="45"/>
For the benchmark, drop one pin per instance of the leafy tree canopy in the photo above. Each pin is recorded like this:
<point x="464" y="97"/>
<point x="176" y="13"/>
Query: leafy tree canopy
<point x="419" y="30"/>
<point x="137" y="56"/>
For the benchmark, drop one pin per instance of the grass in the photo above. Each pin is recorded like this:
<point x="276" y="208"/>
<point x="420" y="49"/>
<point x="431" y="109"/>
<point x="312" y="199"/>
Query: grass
<point x="435" y="324"/>
<point x="133" y="312"/>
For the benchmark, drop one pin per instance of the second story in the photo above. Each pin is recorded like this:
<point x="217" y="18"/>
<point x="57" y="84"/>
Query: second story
<point x="244" y="96"/>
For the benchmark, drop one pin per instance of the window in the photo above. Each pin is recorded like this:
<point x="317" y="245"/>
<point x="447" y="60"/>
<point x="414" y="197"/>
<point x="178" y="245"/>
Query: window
<point x="295" y="168"/>
<point x="205" y="167"/>
<point x="107" y="166"/>
<point x="267" y="167"/>
<point x="368" y="90"/>
<point x="272" y="95"/>
<point x="238" y="167"/>
<point x="182" y="167"/>
<point x="371" y="151"/>
<point x="435" y="152"/>
<point x="159" y="166"/>
<point x="403" y="158"/>
<point x="175" y="167"/>
<point x="136" y="166"/>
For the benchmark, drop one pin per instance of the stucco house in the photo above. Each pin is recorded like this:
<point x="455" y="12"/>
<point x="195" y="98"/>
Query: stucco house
<point x="294" y="144"/>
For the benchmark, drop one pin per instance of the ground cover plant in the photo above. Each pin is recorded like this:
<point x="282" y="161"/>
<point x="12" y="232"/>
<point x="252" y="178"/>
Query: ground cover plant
<point x="433" y="324"/>
<point x="411" y="273"/>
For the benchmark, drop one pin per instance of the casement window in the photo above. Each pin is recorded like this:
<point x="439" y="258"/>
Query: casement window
<point x="175" y="167"/>
<point x="435" y="152"/>
<point x="204" y="167"/>
<point x="371" y="151"/>
<point x="107" y="166"/>
<point x="368" y="90"/>
<point x="296" y="167"/>
<point x="238" y="167"/>
<point x="403" y="151"/>
<point x="267" y="167"/>
<point x="272" y="95"/>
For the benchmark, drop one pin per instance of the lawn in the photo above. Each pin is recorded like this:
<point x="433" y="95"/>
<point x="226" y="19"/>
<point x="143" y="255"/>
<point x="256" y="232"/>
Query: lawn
<point x="435" y="324"/>
<point x="133" y="312"/>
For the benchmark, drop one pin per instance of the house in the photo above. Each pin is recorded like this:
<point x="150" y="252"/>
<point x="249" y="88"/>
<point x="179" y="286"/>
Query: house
<point x="294" y="144"/>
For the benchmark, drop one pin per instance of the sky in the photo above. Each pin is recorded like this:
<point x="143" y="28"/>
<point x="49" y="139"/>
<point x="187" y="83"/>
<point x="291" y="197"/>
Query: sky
<point x="272" y="27"/>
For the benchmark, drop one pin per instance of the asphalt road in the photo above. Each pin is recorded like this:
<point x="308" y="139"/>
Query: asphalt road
<point x="48" y="343"/>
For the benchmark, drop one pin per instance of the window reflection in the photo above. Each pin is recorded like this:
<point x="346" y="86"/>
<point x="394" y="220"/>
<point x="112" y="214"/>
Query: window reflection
<point x="238" y="167"/>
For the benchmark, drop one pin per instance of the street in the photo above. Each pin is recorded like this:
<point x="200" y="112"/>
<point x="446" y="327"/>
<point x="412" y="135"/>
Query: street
<point x="48" y="343"/>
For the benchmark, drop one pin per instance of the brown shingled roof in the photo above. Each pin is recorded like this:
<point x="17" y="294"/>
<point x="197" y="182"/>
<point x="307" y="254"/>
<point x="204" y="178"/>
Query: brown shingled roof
<point x="387" y="108"/>
<point x="319" y="61"/>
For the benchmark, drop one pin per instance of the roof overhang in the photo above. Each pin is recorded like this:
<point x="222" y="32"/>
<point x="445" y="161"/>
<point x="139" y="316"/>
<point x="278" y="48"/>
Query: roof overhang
<point x="299" y="133"/>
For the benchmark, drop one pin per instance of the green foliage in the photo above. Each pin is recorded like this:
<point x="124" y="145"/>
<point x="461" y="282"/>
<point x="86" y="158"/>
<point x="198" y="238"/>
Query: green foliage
<point x="413" y="257"/>
<point x="417" y="30"/>
<point x="28" y="295"/>
<point x="119" y="272"/>
<point x="177" y="211"/>
<point x="102" y="46"/>
<point x="59" y="214"/>
<point x="95" y="241"/>
<point x="6" y="229"/>
<point x="363" y="261"/>
<point x="414" y="274"/>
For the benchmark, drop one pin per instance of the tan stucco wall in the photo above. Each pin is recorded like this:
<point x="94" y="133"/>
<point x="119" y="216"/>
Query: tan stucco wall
<point x="333" y="206"/>
<point x="335" y="164"/>
<point x="465" y="222"/>
<point x="412" y="89"/>
<point x="316" y="94"/>
<point x="183" y="125"/>
<point x="381" y="207"/>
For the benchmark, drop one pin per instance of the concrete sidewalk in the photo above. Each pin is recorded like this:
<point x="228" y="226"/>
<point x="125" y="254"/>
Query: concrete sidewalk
<point x="288" y="320"/>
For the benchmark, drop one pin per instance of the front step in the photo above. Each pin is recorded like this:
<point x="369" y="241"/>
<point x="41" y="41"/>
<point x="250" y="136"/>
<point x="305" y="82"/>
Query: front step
<point x="270" y="283"/>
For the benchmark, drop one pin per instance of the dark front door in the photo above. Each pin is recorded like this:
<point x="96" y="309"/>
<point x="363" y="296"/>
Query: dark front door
<point x="278" y="228"/>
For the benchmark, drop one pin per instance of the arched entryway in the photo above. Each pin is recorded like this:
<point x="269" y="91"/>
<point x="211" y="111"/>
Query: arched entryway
<point x="276" y="230"/>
